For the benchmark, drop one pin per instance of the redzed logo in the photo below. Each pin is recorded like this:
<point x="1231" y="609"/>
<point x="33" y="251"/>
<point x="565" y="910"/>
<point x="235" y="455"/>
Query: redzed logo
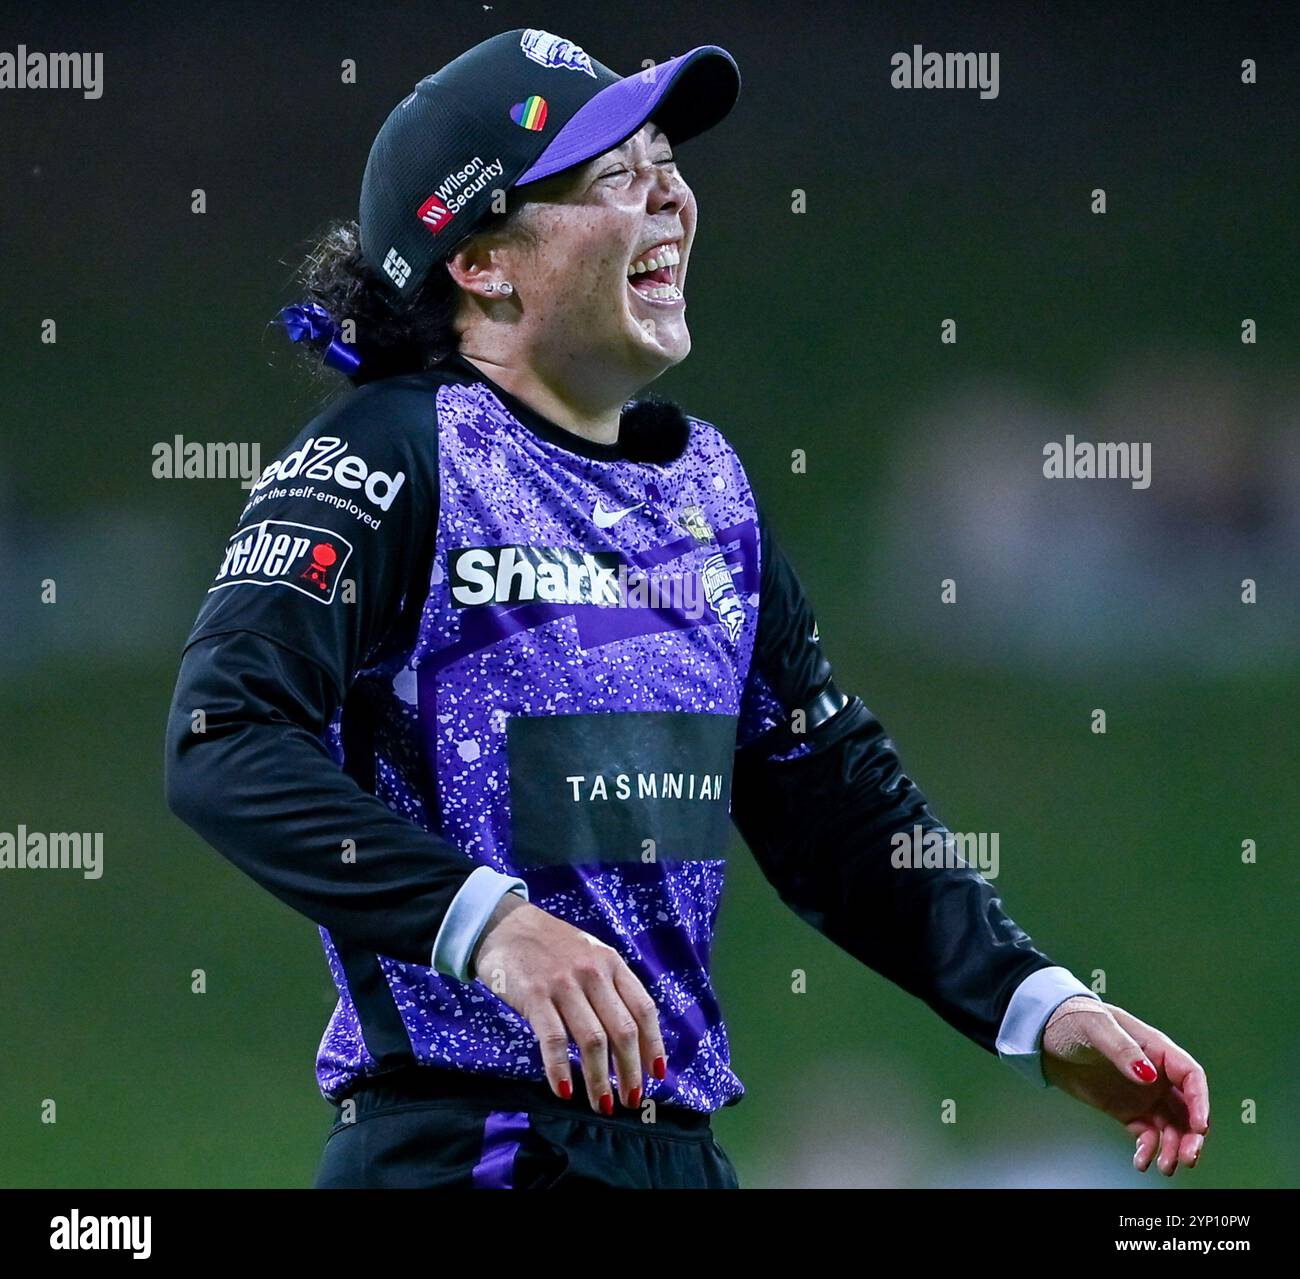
<point x="434" y="214"/>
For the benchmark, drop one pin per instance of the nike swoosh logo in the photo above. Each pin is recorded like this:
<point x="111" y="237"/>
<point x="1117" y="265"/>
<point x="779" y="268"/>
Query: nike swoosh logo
<point x="607" y="519"/>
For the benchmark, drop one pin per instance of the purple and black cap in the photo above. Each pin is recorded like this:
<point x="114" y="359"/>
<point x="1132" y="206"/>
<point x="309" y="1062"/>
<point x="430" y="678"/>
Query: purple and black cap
<point x="514" y="109"/>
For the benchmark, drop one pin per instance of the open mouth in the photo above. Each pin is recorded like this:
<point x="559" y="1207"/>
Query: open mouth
<point x="652" y="274"/>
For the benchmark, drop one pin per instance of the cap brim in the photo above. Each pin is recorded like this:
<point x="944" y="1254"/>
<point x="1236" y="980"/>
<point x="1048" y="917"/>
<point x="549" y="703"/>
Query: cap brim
<point x="686" y="96"/>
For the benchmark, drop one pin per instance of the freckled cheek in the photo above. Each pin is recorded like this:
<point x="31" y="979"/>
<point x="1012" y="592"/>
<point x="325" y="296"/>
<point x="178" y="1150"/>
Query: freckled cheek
<point x="559" y="283"/>
<point x="577" y="292"/>
<point x="593" y="278"/>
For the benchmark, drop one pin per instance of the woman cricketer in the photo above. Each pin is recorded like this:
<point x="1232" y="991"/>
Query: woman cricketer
<point x="498" y="652"/>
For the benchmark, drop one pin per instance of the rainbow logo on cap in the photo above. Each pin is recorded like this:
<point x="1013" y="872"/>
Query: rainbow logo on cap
<point x="531" y="112"/>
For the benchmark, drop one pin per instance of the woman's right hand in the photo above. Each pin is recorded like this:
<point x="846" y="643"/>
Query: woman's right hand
<point x="568" y="985"/>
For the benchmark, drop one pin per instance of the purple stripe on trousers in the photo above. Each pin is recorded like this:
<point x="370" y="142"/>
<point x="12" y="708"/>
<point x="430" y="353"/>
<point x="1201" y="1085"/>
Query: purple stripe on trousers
<point x="495" y="1169"/>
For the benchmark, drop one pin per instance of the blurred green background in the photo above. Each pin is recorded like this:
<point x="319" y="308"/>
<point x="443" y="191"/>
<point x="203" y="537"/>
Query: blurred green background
<point x="816" y="331"/>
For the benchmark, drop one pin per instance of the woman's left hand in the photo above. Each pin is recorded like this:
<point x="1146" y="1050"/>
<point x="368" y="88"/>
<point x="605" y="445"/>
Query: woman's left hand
<point x="1111" y="1060"/>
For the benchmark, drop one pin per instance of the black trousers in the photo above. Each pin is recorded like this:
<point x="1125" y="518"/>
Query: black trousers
<point x="432" y="1129"/>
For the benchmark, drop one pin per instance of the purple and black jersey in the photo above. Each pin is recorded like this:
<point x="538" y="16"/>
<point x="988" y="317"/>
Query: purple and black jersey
<point x="448" y="635"/>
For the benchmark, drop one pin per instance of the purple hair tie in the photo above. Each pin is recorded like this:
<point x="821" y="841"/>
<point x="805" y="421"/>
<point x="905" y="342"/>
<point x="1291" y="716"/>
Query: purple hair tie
<point x="312" y="322"/>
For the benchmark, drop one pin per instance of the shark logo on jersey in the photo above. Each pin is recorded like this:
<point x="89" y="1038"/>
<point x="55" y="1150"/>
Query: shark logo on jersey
<point x="720" y="591"/>
<point x="554" y="51"/>
<point x="527" y="574"/>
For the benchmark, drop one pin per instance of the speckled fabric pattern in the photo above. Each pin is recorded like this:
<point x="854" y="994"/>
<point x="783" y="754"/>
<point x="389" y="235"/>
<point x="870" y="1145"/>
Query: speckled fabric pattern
<point x="546" y="642"/>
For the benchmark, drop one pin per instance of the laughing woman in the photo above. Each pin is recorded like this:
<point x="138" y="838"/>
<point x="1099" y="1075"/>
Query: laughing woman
<point x="438" y="726"/>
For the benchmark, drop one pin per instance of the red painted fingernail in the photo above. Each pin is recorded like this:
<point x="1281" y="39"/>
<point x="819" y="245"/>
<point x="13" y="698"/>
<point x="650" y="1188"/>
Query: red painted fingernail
<point x="660" y="1068"/>
<point x="635" y="1099"/>
<point x="1144" y="1071"/>
<point x="607" y="1104"/>
<point x="566" y="1089"/>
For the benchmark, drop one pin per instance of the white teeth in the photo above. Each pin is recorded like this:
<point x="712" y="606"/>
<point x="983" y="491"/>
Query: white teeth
<point x="662" y="292"/>
<point x="664" y="255"/>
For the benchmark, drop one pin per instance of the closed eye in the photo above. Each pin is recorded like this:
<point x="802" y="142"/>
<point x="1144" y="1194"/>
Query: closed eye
<point x="613" y="173"/>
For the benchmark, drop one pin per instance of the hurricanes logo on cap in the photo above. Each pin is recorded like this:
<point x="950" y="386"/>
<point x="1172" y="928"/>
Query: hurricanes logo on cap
<point x="530" y="113"/>
<point x="554" y="51"/>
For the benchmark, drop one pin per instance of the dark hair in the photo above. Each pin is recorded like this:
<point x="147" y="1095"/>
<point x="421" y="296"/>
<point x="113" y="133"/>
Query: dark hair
<point x="393" y="334"/>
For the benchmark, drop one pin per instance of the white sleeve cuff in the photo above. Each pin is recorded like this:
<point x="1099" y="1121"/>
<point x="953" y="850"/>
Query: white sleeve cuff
<point x="466" y="917"/>
<point x="1020" y="1037"/>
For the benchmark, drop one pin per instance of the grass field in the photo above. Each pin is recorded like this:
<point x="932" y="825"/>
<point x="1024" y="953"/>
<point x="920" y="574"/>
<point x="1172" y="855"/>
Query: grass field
<point x="1119" y="853"/>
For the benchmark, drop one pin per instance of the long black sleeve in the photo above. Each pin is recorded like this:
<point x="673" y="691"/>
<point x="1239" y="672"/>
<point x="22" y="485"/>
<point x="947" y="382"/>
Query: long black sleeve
<point x="819" y="810"/>
<point x="260" y="786"/>
<point x="317" y="577"/>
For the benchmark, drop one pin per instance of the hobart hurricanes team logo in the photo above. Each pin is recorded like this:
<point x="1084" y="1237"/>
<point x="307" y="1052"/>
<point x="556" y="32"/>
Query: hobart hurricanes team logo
<point x="281" y="553"/>
<point x="695" y="522"/>
<point x="555" y="51"/>
<point x="720" y="590"/>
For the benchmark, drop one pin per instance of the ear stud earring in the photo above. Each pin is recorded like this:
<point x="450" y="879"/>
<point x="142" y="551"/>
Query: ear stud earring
<point x="505" y="288"/>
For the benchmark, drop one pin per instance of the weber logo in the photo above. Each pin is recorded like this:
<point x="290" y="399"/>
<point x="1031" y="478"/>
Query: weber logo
<point x="280" y="553"/>
<point x="521" y="574"/>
